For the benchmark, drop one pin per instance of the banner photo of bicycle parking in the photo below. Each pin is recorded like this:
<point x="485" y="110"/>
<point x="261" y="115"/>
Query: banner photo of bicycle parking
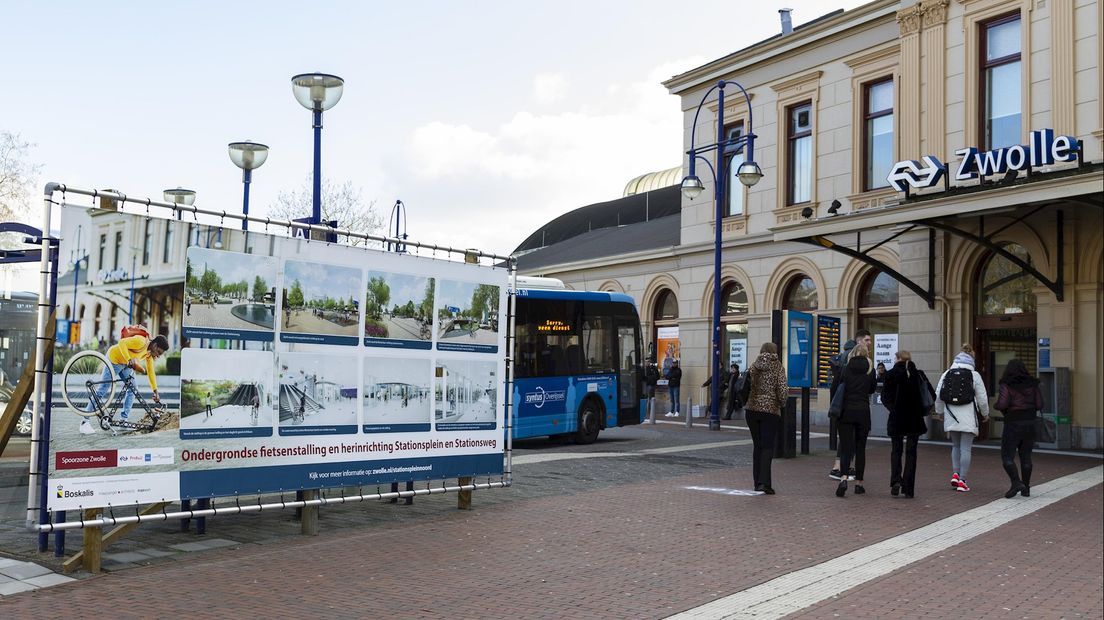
<point x="210" y="363"/>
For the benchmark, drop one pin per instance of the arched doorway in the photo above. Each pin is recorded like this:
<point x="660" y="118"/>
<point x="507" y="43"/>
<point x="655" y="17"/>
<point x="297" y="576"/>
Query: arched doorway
<point x="665" y="316"/>
<point x="1005" y="318"/>
<point x="800" y="294"/>
<point x="734" y="327"/>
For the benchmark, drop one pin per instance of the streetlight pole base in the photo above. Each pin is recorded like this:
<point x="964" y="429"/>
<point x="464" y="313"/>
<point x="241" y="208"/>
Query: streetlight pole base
<point x="714" y="425"/>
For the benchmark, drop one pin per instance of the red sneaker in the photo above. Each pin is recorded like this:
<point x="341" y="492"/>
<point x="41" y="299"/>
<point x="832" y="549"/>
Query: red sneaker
<point x="954" y="481"/>
<point x="961" y="486"/>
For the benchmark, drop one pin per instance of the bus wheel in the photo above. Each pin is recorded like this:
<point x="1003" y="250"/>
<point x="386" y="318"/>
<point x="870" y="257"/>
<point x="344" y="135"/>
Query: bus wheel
<point x="589" y="424"/>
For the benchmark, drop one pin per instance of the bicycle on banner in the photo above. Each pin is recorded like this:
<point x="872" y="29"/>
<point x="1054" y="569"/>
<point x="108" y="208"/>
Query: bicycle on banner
<point x="103" y="386"/>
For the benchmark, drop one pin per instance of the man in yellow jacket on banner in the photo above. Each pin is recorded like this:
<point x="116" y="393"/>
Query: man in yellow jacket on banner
<point x="133" y="353"/>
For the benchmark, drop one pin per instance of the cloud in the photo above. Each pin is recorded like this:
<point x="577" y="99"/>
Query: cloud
<point x="536" y="165"/>
<point x="549" y="88"/>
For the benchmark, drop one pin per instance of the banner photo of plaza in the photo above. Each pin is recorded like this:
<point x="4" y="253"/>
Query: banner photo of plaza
<point x="467" y="316"/>
<point x="397" y="395"/>
<point x="229" y="295"/>
<point x="320" y="303"/>
<point x="226" y="394"/>
<point x="465" y="397"/>
<point x="398" y="311"/>
<point x="312" y="406"/>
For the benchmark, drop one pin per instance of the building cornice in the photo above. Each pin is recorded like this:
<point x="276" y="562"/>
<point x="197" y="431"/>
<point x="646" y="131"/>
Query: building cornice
<point x="861" y="17"/>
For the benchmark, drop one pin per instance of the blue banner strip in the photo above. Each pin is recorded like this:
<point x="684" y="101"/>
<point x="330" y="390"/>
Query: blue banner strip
<point x="466" y="426"/>
<point x="227" y="334"/>
<point x="339" y="429"/>
<point x="217" y="433"/>
<point x="277" y="478"/>
<point x="350" y="341"/>
<point x="467" y="348"/>
<point x="395" y="428"/>
<point x="397" y="344"/>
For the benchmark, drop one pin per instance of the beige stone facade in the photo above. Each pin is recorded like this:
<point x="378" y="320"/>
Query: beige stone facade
<point x="932" y="51"/>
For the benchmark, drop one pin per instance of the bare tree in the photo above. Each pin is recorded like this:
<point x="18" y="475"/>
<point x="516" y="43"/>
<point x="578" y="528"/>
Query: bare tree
<point x="341" y="202"/>
<point x="16" y="176"/>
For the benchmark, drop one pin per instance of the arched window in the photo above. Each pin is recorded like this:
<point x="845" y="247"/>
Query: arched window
<point x="734" y="328"/>
<point x="1005" y="288"/>
<point x="801" y="294"/>
<point x="877" y="303"/>
<point x="665" y="329"/>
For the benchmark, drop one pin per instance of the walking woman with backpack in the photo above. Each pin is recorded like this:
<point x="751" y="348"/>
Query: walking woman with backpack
<point x="763" y="412"/>
<point x="1019" y="398"/>
<point x="960" y="400"/>
<point x="857" y="382"/>
<point x="903" y="395"/>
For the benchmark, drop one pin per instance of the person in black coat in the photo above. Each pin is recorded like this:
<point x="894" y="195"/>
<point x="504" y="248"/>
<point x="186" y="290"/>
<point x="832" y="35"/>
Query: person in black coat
<point x="901" y="395"/>
<point x="858" y="382"/>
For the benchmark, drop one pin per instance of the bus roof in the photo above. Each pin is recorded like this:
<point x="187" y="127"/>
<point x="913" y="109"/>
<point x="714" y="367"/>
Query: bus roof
<point x="534" y="293"/>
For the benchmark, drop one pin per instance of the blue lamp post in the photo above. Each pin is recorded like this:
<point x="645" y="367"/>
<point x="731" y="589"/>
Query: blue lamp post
<point x="749" y="174"/>
<point x="248" y="156"/>
<point x="317" y="92"/>
<point x="180" y="196"/>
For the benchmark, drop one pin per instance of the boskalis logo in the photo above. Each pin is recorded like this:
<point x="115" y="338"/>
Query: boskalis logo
<point x="540" y="396"/>
<point x="62" y="493"/>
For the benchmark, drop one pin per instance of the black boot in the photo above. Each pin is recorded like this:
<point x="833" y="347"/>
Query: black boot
<point x="1026" y="490"/>
<point x="1017" y="487"/>
<point x="841" y="489"/>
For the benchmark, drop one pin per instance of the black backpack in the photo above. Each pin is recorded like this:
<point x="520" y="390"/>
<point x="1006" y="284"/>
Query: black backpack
<point x="958" y="387"/>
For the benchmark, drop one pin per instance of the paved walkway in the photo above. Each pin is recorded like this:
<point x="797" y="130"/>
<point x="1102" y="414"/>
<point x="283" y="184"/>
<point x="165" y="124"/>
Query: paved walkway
<point x="649" y="522"/>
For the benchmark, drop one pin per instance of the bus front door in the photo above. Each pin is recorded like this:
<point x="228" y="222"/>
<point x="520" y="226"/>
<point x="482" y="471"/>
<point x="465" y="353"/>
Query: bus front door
<point x="628" y="379"/>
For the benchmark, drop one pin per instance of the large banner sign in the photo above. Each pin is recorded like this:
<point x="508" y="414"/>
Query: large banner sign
<point x="210" y="363"/>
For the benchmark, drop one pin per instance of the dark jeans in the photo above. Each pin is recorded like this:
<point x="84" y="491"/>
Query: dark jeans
<point x="852" y="442"/>
<point x="907" y="479"/>
<point x="764" y="428"/>
<point x="1018" y="437"/>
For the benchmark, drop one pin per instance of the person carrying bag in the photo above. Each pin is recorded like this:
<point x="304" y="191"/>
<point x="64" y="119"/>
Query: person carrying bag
<point x="766" y="382"/>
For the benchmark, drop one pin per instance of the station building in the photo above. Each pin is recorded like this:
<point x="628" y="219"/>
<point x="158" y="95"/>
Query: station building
<point x="1007" y="257"/>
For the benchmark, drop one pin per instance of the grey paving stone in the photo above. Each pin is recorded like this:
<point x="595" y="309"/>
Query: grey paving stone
<point x="4" y="579"/>
<point x="156" y="553"/>
<point x="52" y="579"/>
<point x="192" y="546"/>
<point x="24" y="570"/>
<point x="15" y="587"/>
<point x="216" y="543"/>
<point x="127" y="556"/>
<point x="9" y="562"/>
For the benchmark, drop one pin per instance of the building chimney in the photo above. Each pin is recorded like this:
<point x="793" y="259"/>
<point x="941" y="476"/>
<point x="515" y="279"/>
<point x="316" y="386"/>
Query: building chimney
<point x="787" y="24"/>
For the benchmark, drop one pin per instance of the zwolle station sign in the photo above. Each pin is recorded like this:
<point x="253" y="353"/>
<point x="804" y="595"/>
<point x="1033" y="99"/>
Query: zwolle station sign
<point x="1044" y="149"/>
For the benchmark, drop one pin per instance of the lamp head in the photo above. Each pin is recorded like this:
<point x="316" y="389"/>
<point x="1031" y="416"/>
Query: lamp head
<point x="807" y="212"/>
<point x="692" y="186"/>
<point x="834" y="209"/>
<point x="317" y="91"/>
<point x="247" y="155"/>
<point x="180" y="196"/>
<point x="749" y="173"/>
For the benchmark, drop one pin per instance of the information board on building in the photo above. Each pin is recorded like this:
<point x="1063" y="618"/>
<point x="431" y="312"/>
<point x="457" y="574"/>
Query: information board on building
<point x="885" y="349"/>
<point x="828" y="346"/>
<point x="297" y="365"/>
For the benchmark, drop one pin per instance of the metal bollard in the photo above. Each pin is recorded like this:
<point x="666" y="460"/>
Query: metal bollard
<point x="651" y="410"/>
<point x="690" y="412"/>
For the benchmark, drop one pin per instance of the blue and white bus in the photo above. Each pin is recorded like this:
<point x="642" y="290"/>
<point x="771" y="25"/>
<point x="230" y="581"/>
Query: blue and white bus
<point x="577" y="363"/>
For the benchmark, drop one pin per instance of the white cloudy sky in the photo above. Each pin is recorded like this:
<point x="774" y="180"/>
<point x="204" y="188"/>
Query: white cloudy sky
<point x="403" y="287"/>
<point x="319" y="281"/>
<point x="233" y="266"/>
<point x="486" y="117"/>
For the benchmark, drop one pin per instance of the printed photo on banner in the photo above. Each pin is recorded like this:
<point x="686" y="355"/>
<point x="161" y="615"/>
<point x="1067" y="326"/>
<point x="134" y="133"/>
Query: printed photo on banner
<point x="226" y="394"/>
<point x="318" y="393"/>
<point x="397" y="395"/>
<point x="465" y="395"/>
<point x="320" y="303"/>
<point x="398" y="310"/>
<point x="467" y="317"/>
<point x="229" y="295"/>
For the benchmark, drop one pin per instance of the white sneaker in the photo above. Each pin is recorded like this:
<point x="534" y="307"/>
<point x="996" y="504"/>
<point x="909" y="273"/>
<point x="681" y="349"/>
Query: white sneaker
<point x="669" y="414"/>
<point x="86" y="428"/>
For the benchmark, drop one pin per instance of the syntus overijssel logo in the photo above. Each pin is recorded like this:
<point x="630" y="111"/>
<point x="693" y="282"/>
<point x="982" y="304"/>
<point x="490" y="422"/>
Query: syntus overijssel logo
<point x="540" y="396"/>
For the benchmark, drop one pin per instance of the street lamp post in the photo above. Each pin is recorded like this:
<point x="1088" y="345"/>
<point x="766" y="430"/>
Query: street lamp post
<point x="692" y="186"/>
<point x="180" y="196"/>
<point x="317" y="92"/>
<point x="248" y="156"/>
<point x="397" y="227"/>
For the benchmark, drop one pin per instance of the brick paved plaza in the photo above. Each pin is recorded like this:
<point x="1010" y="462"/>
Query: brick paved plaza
<point x="614" y="530"/>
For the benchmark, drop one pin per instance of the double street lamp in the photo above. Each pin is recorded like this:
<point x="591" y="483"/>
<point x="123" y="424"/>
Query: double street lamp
<point x="749" y="174"/>
<point x="317" y="92"/>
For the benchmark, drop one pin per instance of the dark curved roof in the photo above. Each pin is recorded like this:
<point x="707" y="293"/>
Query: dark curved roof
<point x="633" y="209"/>
<point x="654" y="234"/>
